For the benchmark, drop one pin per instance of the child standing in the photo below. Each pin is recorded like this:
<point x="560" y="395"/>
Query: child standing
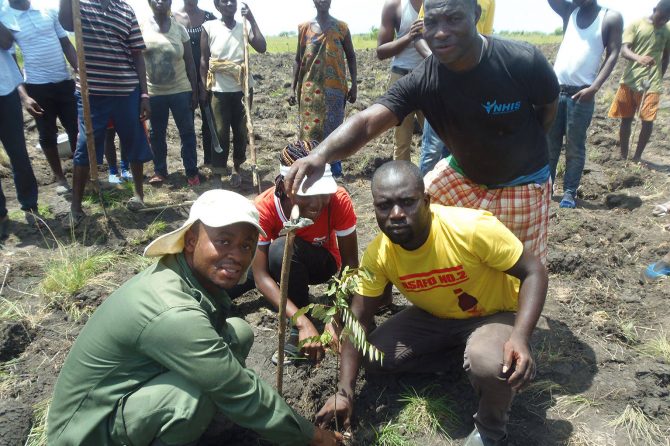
<point x="646" y="46"/>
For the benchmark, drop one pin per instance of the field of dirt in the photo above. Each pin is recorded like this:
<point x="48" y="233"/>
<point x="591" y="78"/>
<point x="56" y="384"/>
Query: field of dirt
<point x="602" y="352"/>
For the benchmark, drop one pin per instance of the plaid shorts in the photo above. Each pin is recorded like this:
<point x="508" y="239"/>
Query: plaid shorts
<point x="523" y="209"/>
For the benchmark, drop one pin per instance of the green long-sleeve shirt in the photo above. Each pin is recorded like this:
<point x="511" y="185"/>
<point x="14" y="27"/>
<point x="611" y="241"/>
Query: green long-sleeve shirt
<point x="162" y="319"/>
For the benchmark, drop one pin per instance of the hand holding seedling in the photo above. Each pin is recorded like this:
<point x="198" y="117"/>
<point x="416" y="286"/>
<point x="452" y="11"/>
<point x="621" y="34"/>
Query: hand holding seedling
<point x="339" y="405"/>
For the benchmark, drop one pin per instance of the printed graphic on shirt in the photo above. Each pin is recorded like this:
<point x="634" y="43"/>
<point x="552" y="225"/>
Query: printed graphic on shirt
<point x="438" y="278"/>
<point x="493" y="108"/>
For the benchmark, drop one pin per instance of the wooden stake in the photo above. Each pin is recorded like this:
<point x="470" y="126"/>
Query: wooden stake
<point x="83" y="87"/>
<point x="247" y="108"/>
<point x="283" y="293"/>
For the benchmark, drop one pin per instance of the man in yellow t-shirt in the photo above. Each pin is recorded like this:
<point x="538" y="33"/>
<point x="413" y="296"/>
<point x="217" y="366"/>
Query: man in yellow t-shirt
<point x="471" y="282"/>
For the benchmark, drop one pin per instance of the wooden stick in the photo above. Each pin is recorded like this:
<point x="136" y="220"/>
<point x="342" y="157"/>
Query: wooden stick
<point x="283" y="292"/>
<point x="247" y="109"/>
<point x="83" y="89"/>
<point x="167" y="206"/>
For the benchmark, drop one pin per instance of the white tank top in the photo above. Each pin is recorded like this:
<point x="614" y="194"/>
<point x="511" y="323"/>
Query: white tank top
<point x="579" y="56"/>
<point x="409" y="57"/>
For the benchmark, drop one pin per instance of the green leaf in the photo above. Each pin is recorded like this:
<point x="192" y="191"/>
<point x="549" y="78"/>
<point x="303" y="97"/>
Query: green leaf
<point x="301" y="312"/>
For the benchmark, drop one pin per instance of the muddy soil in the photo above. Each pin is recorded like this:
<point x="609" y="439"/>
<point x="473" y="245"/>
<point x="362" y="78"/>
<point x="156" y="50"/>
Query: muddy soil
<point x="590" y="344"/>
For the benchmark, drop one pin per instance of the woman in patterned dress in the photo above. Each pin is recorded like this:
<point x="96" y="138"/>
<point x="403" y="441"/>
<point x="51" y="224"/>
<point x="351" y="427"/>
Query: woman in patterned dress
<point x="319" y="77"/>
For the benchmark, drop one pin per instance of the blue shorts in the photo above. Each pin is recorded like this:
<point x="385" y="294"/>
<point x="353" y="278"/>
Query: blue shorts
<point x="125" y="112"/>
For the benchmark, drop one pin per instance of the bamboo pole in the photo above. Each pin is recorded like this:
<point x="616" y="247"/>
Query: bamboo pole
<point x="247" y="108"/>
<point x="83" y="87"/>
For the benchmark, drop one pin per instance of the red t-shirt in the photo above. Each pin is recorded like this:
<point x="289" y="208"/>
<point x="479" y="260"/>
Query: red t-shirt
<point x="342" y="221"/>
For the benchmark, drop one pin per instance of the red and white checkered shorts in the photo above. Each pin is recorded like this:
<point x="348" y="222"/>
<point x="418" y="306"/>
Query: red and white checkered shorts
<point x="523" y="209"/>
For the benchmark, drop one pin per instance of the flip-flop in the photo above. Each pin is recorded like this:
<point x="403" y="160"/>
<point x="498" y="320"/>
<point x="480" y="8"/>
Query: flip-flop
<point x="655" y="272"/>
<point x="72" y="220"/>
<point x="156" y="179"/>
<point x="659" y="211"/>
<point x="135" y="204"/>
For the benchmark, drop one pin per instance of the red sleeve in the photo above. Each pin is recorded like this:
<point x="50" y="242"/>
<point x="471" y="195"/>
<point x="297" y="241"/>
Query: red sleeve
<point x="267" y="215"/>
<point x="343" y="215"/>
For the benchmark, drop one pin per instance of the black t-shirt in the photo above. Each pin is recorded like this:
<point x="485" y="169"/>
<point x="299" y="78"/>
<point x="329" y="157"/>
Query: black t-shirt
<point x="486" y="115"/>
<point x="194" y="34"/>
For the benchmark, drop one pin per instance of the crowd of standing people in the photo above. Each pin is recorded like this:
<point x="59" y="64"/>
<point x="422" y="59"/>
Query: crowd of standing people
<point x="463" y="236"/>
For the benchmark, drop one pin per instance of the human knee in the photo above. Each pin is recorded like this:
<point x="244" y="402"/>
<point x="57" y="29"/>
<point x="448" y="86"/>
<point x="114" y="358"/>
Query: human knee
<point x="242" y="337"/>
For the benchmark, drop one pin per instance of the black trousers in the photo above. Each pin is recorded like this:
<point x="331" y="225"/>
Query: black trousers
<point x="310" y="265"/>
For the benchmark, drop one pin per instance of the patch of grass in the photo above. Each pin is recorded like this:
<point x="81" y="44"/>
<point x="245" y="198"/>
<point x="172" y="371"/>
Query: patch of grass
<point x="628" y="332"/>
<point x="8" y="379"/>
<point x="658" y="347"/>
<point x="138" y="262"/>
<point x="38" y="431"/>
<point x="535" y="38"/>
<point x="72" y="268"/>
<point x="573" y="405"/>
<point x="639" y="428"/>
<point x="583" y="436"/>
<point x="288" y="44"/>
<point x="427" y="412"/>
<point x="16" y="311"/>
<point x="43" y="209"/>
<point x="543" y="388"/>
<point x="113" y="198"/>
<point x="153" y="230"/>
<point x="391" y="434"/>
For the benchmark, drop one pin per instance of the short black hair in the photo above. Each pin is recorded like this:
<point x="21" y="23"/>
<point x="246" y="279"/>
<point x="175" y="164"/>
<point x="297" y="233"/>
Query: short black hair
<point x="473" y="3"/>
<point x="404" y="169"/>
<point x="664" y="5"/>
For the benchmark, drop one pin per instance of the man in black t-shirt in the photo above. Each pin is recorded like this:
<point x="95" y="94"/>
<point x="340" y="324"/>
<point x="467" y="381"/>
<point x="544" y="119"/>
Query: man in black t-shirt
<point x="490" y="100"/>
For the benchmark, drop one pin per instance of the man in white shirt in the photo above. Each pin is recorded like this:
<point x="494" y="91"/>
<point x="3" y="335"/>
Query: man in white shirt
<point x="43" y="41"/>
<point x="12" y="93"/>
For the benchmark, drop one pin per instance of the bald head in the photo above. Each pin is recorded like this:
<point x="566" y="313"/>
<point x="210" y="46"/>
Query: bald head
<point x="432" y="4"/>
<point x="397" y="173"/>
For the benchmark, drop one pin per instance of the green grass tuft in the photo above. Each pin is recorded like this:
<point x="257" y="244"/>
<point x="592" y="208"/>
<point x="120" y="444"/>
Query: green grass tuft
<point x="658" y="347"/>
<point x="428" y="412"/>
<point x="391" y="434"/>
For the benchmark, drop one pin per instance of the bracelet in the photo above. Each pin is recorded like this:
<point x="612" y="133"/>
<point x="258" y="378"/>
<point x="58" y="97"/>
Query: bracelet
<point x="144" y="96"/>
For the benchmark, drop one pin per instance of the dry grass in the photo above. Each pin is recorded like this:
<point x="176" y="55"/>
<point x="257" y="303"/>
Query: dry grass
<point x="38" y="431"/>
<point x="657" y="347"/>
<point x="583" y="436"/>
<point x="571" y="406"/>
<point x="30" y="316"/>
<point x="428" y="412"/>
<point x="639" y="428"/>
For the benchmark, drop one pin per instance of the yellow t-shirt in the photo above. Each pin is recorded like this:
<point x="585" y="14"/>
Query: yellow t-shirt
<point x="485" y="23"/>
<point x="458" y="273"/>
<point x="645" y="40"/>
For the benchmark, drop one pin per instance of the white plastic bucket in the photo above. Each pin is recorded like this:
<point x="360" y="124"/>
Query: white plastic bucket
<point x="63" y="144"/>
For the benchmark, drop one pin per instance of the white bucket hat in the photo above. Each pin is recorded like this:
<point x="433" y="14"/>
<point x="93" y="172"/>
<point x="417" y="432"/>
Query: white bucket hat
<point x="325" y="185"/>
<point x="214" y="208"/>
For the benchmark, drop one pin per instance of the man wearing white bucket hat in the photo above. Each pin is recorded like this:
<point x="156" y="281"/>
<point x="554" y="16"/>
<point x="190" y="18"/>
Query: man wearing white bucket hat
<point x="320" y="250"/>
<point x="160" y="357"/>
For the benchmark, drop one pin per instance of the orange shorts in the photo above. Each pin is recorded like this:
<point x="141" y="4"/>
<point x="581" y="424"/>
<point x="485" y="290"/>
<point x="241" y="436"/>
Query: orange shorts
<point x="627" y="102"/>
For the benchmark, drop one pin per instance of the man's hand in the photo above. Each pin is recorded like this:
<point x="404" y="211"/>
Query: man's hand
<point x="518" y="361"/>
<point x="32" y="106"/>
<point x="204" y="96"/>
<point x="311" y="167"/>
<point x="416" y="30"/>
<point x="246" y="13"/>
<point x="352" y="94"/>
<point x="646" y="61"/>
<point x="326" y="438"/>
<point x="344" y="405"/>
<point x="145" y="109"/>
<point x="313" y="350"/>
<point x="585" y="95"/>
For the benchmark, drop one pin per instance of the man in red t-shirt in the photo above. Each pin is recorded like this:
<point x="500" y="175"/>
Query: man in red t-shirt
<point x="319" y="250"/>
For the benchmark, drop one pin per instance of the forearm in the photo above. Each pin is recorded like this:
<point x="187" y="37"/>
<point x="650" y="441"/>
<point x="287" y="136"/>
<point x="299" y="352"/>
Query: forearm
<point x="257" y="40"/>
<point x="65" y="15"/>
<point x="531" y="301"/>
<point x="23" y="94"/>
<point x="394" y="47"/>
<point x="296" y="71"/>
<point x="664" y="65"/>
<point x="628" y="54"/>
<point x="6" y="37"/>
<point x="605" y="70"/>
<point x="349" y="137"/>
<point x="270" y="291"/>
<point x="422" y="47"/>
<point x="353" y="72"/>
<point x="138" y="60"/>
<point x="350" y="363"/>
<point x="70" y="53"/>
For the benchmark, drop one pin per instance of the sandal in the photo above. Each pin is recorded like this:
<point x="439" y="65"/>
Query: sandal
<point x="156" y="179"/>
<point x="656" y="271"/>
<point x="72" y="219"/>
<point x="135" y="204"/>
<point x="34" y="219"/>
<point x="659" y="211"/>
